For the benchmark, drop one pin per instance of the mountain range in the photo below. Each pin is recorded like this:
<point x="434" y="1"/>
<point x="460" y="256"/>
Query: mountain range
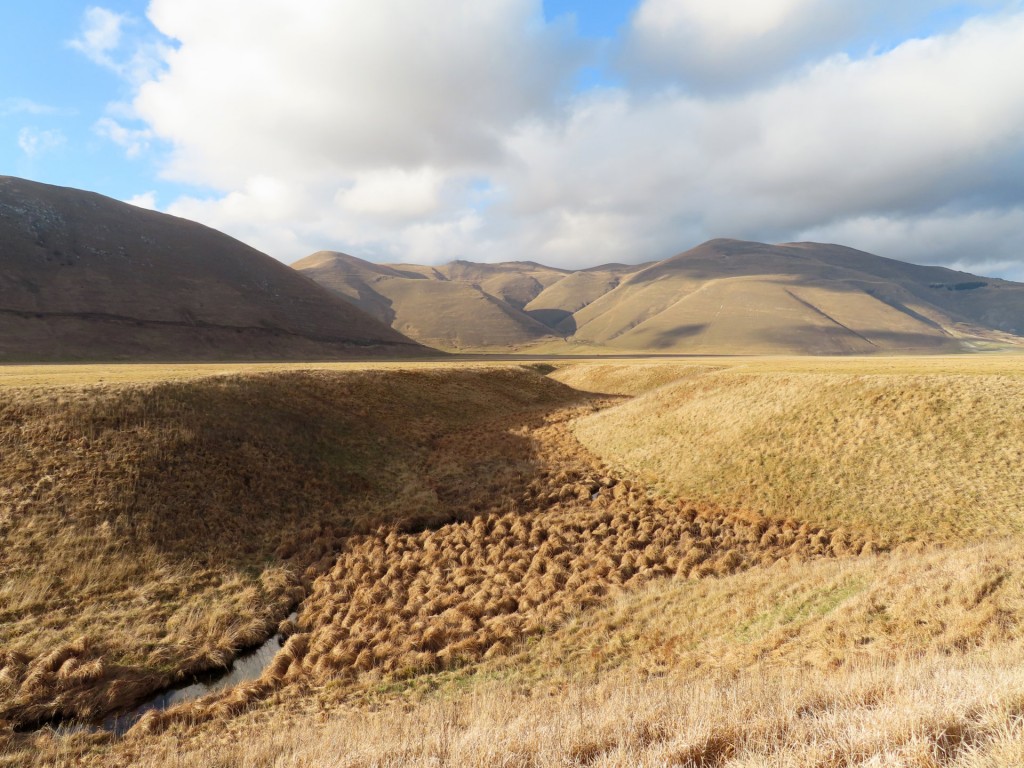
<point x="85" y="277"/>
<point x="722" y="297"/>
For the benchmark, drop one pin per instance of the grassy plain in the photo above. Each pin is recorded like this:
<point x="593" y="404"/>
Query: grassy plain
<point x="498" y="570"/>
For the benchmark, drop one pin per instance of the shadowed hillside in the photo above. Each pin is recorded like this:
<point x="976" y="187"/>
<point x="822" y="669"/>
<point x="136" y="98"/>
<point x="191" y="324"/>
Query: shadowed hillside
<point x="85" y="277"/>
<point x="162" y="527"/>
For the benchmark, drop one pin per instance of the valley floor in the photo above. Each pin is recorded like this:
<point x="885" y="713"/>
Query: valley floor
<point x="494" y="568"/>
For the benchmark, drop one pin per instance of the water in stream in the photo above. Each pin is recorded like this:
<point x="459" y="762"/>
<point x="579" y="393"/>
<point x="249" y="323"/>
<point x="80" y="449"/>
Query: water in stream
<point x="247" y="666"/>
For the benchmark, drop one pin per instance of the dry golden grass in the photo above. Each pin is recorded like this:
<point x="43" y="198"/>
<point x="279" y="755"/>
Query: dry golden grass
<point x="519" y="620"/>
<point x="910" y="659"/>
<point x="895" y="456"/>
<point x="632" y="378"/>
<point x="151" y="530"/>
<point x="639" y="374"/>
<point x="564" y="537"/>
<point x="61" y="375"/>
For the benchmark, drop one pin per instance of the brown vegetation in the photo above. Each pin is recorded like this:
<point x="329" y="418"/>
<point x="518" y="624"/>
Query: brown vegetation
<point x="492" y="592"/>
<point x="906" y="659"/>
<point x="154" y="530"/>
<point x="897" y="457"/>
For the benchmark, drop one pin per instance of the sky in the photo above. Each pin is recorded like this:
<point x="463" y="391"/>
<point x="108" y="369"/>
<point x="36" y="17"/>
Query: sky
<point x="566" y="132"/>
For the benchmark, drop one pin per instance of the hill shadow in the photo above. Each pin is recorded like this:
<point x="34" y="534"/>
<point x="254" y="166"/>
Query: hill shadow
<point x="668" y="338"/>
<point x="557" y="319"/>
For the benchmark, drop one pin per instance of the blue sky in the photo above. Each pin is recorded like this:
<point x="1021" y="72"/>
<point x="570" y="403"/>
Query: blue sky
<point x="566" y="132"/>
<point x="48" y="88"/>
<point x="38" y="65"/>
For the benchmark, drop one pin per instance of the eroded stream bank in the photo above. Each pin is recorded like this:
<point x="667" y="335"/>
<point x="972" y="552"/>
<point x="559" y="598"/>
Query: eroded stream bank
<point x="248" y="665"/>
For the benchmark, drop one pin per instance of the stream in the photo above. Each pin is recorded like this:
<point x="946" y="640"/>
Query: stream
<point x="248" y="665"/>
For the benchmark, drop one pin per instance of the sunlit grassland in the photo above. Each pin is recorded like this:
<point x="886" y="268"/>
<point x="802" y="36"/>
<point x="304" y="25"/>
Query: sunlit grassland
<point x="906" y="659"/>
<point x="898" y="449"/>
<point x="695" y="589"/>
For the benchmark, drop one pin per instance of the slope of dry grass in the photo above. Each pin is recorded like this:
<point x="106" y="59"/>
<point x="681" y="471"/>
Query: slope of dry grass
<point x="897" y="457"/>
<point x="910" y="659"/>
<point x="566" y="614"/>
<point x="633" y="378"/>
<point x="151" y="530"/>
<point x="456" y="306"/>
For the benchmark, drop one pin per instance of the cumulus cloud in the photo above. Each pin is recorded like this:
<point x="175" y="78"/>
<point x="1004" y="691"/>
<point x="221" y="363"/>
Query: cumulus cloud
<point x="114" y="41"/>
<point x="100" y="36"/>
<point x="985" y="241"/>
<point x="134" y="141"/>
<point x="343" y="86"/>
<point x="400" y="130"/>
<point x="393" y="192"/>
<point x="905" y="133"/>
<point x="729" y="44"/>
<point x="145" y="200"/>
<point x="35" y="142"/>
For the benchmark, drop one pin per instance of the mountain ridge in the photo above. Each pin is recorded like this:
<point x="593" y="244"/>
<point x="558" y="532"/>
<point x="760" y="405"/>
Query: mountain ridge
<point x="725" y="296"/>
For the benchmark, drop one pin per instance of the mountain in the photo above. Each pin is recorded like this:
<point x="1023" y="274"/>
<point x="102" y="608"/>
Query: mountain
<point x="732" y="296"/>
<point x="722" y="297"/>
<point x="557" y="304"/>
<point x="85" y="277"/>
<point x="447" y="306"/>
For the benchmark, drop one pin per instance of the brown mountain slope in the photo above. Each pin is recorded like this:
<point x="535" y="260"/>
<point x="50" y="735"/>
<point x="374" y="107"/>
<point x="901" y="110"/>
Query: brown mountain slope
<point x="444" y="306"/>
<point x="556" y="304"/>
<point x="354" y="279"/>
<point x="730" y="296"/>
<point x="986" y="301"/>
<point x="515" y="282"/>
<point x="86" y="277"/>
<point x="722" y="297"/>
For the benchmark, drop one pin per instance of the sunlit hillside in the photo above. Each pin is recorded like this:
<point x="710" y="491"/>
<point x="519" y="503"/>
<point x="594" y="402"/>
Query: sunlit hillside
<point x="895" y="455"/>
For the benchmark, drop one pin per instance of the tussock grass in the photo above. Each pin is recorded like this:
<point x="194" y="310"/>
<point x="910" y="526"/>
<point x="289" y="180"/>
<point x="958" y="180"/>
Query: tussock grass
<point x="399" y="604"/>
<point x="153" y="530"/>
<point x="934" y="457"/>
<point x="672" y="674"/>
<point x="482" y="589"/>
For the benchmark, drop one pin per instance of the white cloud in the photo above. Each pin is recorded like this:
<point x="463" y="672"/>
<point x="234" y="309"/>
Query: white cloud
<point x="144" y="200"/>
<point x="987" y="241"/>
<point x="35" y="142"/>
<point x="931" y="124"/>
<point x="733" y="43"/>
<point x="393" y="192"/>
<point x="400" y="130"/>
<point x="100" y="36"/>
<point x="134" y="141"/>
<point x="116" y="42"/>
<point x="339" y="87"/>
